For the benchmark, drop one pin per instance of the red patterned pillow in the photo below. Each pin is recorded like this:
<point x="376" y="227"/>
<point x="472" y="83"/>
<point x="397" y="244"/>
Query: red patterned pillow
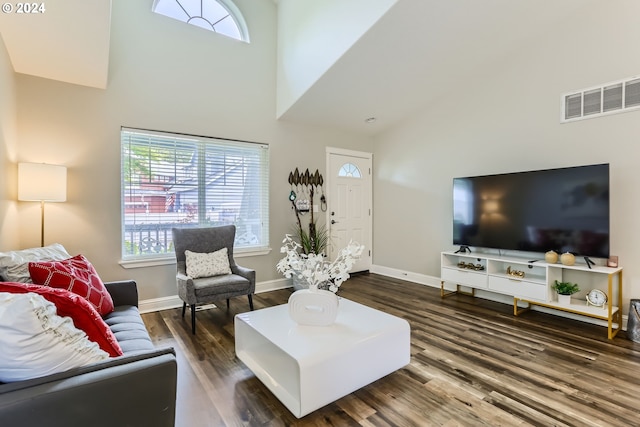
<point x="68" y="304"/>
<point x="76" y="275"/>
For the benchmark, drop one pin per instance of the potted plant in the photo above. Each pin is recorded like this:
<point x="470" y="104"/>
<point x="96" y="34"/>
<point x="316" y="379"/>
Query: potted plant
<point x="565" y="290"/>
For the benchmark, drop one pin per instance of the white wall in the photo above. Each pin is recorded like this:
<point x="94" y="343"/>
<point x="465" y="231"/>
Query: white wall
<point x="313" y="35"/>
<point x="507" y="120"/>
<point x="164" y="75"/>
<point x="8" y="141"/>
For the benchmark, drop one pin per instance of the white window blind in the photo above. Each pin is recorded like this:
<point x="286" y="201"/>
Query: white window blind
<point x="172" y="180"/>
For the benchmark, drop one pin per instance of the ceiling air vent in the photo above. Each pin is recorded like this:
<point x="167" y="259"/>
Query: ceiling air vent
<point x="614" y="97"/>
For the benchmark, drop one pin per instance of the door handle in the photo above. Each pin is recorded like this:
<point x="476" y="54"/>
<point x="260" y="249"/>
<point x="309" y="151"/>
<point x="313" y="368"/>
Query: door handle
<point x="333" y="221"/>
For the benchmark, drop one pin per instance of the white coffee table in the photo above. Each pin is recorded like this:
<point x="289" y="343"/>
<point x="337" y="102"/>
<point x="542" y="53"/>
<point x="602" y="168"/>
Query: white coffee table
<point x="308" y="367"/>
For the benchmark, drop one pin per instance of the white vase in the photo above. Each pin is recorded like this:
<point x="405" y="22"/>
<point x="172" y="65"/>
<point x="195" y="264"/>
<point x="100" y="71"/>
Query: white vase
<point x="564" y="299"/>
<point x="313" y="307"/>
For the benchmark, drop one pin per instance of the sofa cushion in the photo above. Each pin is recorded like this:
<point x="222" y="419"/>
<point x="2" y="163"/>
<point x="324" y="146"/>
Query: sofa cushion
<point x="35" y="341"/>
<point x="81" y="312"/>
<point x="76" y="275"/>
<point x="129" y="329"/>
<point x="14" y="265"/>
<point x="207" y="264"/>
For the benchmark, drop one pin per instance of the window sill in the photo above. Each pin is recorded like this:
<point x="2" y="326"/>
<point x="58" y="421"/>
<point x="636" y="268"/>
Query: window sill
<point x="144" y="262"/>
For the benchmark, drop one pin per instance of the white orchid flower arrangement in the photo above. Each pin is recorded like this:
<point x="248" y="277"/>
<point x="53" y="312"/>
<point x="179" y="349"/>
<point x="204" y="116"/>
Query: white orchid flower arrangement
<point x="314" y="268"/>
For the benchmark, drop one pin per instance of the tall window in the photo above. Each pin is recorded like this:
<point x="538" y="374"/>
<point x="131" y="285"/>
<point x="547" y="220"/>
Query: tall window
<point x="172" y="180"/>
<point x="219" y="16"/>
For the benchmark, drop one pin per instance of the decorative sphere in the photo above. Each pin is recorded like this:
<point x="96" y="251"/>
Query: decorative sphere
<point x="551" y="257"/>
<point x="567" y="258"/>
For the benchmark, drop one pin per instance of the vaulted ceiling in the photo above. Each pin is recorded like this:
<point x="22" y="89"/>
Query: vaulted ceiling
<point x="412" y="56"/>
<point x="418" y="52"/>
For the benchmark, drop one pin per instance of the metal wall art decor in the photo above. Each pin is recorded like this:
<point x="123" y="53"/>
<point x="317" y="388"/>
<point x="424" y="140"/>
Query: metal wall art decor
<point x="306" y="183"/>
<point x="303" y="188"/>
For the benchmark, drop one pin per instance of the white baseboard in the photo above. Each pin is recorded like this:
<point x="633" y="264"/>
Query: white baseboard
<point x="422" y="279"/>
<point x="159" y="304"/>
<point x="167" y="303"/>
<point x="432" y="281"/>
<point x="273" y="285"/>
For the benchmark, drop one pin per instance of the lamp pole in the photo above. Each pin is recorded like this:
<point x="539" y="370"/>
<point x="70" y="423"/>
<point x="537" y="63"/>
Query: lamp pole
<point x="42" y="223"/>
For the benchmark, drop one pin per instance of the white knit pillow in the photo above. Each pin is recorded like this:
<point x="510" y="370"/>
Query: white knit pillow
<point x="35" y="341"/>
<point x="208" y="264"/>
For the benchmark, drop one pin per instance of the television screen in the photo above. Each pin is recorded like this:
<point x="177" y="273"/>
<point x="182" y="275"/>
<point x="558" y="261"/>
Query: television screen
<point x="566" y="210"/>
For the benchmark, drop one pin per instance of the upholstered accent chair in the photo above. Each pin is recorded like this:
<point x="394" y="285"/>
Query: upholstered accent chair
<point x="205" y="290"/>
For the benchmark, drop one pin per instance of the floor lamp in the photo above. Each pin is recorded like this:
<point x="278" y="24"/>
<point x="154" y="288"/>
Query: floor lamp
<point x="41" y="182"/>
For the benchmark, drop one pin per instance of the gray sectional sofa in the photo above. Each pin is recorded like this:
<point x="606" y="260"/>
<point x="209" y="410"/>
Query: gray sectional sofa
<point x="136" y="389"/>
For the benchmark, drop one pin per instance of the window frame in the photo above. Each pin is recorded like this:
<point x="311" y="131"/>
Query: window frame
<point x="349" y="170"/>
<point x="257" y="155"/>
<point x="234" y="13"/>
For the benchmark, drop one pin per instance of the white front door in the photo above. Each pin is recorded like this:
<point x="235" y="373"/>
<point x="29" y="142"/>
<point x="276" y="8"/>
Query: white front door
<point x="349" y="202"/>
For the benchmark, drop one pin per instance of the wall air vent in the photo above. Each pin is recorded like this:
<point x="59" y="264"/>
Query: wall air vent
<point x="614" y="97"/>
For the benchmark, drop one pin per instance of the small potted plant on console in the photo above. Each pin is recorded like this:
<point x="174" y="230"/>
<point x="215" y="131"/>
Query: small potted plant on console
<point x="564" y="291"/>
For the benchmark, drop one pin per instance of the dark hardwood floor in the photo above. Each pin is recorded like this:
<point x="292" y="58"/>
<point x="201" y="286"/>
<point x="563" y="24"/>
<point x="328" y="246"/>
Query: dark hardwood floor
<point x="472" y="363"/>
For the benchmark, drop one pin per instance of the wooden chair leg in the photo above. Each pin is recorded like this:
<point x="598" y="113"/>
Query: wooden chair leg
<point x="184" y="308"/>
<point x="250" y="302"/>
<point x="193" y="319"/>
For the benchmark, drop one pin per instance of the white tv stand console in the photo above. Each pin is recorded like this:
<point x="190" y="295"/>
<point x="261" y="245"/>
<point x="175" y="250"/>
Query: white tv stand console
<point x="530" y="283"/>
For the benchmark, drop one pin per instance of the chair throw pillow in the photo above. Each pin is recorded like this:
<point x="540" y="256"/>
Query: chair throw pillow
<point x="84" y="316"/>
<point x="207" y="264"/>
<point x="76" y="275"/>
<point x="14" y="265"/>
<point x="35" y="341"/>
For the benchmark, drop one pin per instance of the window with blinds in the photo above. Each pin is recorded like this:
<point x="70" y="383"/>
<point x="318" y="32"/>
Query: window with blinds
<point x="173" y="180"/>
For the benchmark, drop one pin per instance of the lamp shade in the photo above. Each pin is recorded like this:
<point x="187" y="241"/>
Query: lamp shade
<point x="42" y="182"/>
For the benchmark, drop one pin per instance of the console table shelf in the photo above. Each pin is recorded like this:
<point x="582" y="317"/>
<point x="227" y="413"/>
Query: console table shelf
<point x="530" y="282"/>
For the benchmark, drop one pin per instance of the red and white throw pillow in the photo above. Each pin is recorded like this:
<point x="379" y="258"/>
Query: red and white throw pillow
<point x="77" y="275"/>
<point x="84" y="315"/>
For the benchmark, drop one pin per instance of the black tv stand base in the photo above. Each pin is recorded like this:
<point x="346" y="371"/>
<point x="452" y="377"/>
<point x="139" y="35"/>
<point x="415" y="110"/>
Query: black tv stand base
<point x="463" y="249"/>
<point x="589" y="262"/>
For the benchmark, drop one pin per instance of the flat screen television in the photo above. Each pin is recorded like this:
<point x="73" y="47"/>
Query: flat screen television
<point x="565" y="209"/>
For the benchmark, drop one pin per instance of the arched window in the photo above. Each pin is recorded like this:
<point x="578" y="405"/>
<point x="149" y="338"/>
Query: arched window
<point x="219" y="16"/>
<point x="349" y="170"/>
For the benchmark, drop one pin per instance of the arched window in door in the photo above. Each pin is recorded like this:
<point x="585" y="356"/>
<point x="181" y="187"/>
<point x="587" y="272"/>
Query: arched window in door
<point x="219" y="16"/>
<point x="349" y="170"/>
